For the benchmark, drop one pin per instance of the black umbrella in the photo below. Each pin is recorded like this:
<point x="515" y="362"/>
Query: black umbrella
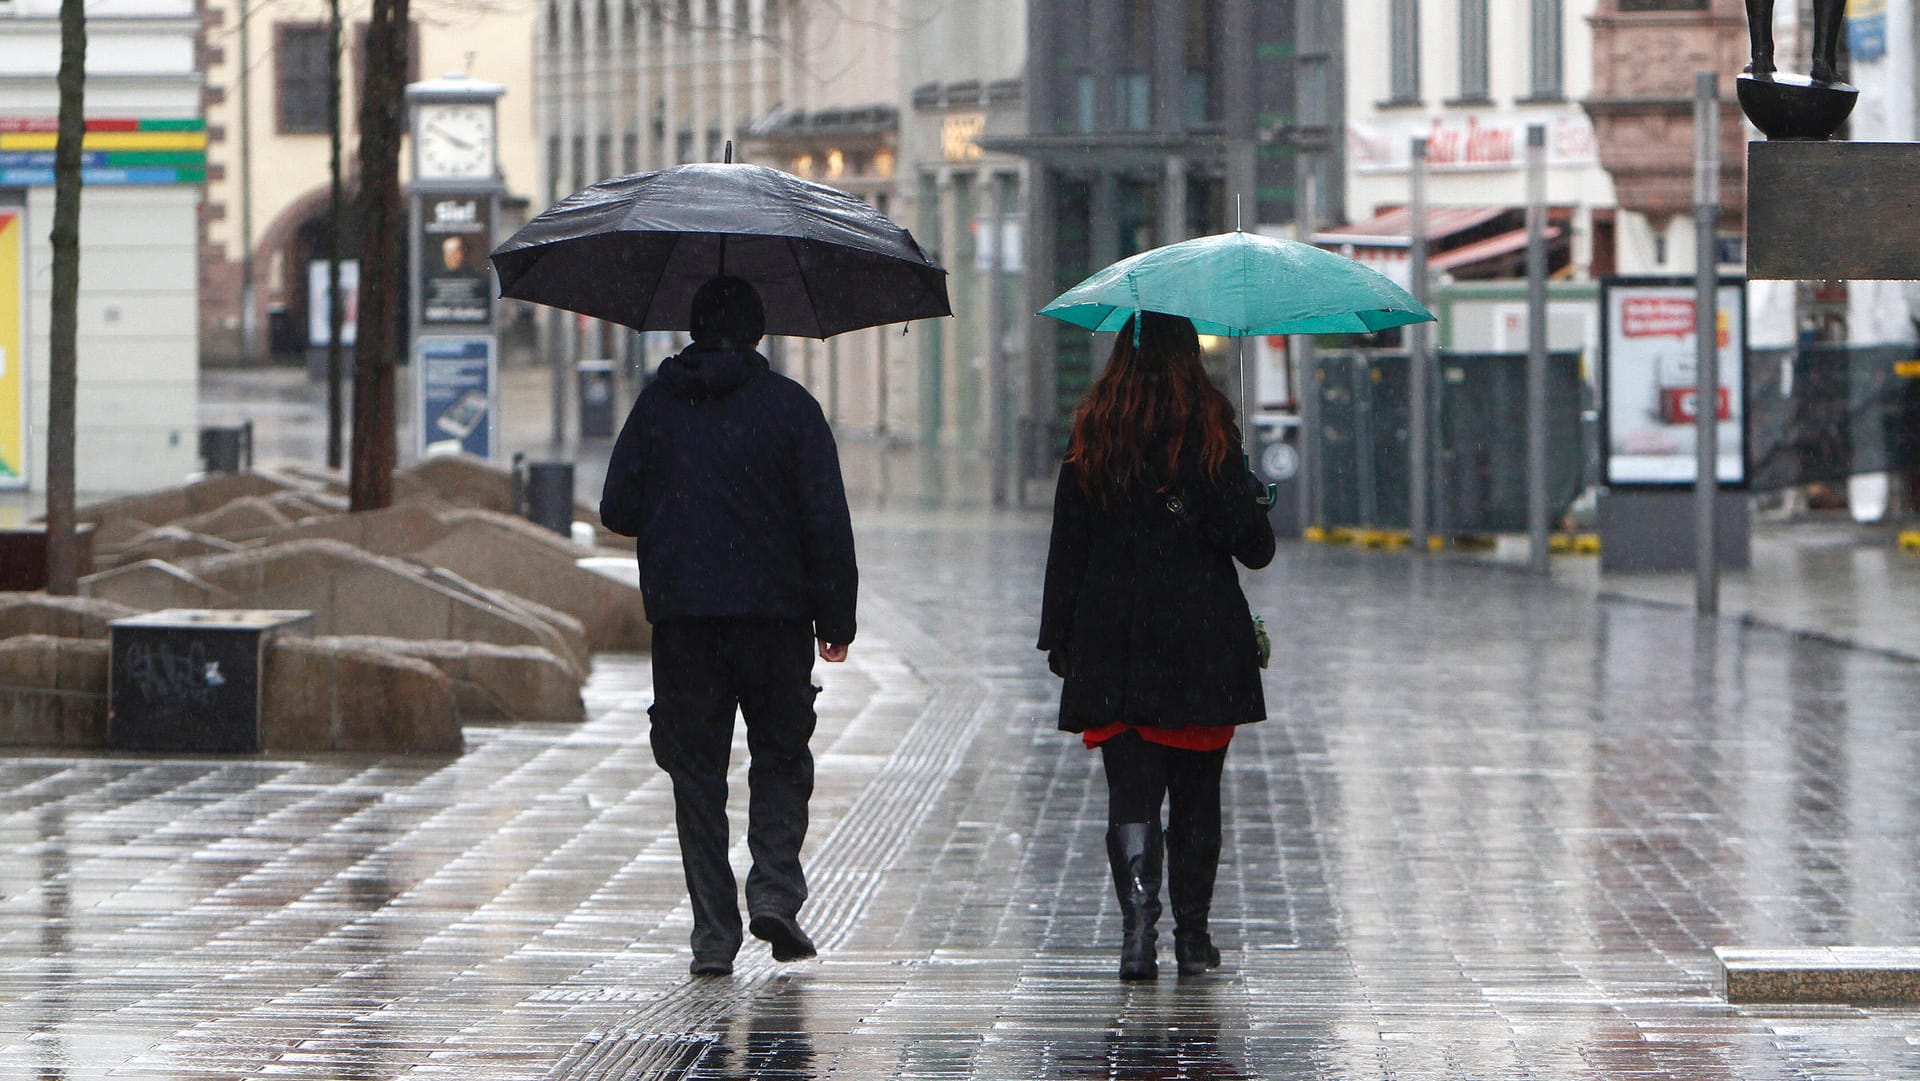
<point x="633" y="249"/>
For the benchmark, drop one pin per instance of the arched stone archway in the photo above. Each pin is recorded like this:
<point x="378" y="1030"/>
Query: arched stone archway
<point x="298" y="235"/>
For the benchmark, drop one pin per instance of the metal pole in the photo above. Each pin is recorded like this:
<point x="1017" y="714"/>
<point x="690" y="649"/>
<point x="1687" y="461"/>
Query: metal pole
<point x="1419" y="392"/>
<point x="336" y="203"/>
<point x="1304" y="388"/>
<point x="1537" y="348"/>
<point x="999" y="432"/>
<point x="249" y="320"/>
<point x="1706" y="402"/>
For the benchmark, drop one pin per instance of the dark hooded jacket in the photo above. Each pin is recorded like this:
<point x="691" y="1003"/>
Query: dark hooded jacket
<point x="727" y="474"/>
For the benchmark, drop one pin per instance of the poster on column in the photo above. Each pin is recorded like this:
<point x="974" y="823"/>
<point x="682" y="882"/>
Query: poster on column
<point x="1648" y="360"/>
<point x="455" y="384"/>
<point x="13" y="347"/>
<point x="456" y="285"/>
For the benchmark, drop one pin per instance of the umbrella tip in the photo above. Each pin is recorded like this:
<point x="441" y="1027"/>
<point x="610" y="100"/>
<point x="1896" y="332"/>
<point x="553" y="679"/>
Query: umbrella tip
<point x="729" y="159"/>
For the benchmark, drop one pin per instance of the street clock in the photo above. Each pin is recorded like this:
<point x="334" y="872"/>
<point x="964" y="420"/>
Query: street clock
<point x="454" y="141"/>
<point x="455" y="131"/>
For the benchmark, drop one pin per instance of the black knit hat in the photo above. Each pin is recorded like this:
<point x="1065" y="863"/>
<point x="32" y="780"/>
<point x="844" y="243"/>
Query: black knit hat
<point x="727" y="309"/>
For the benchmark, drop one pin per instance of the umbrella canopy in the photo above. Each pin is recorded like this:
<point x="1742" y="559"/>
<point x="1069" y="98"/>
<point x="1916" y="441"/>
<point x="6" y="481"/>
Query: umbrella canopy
<point x="1242" y="284"/>
<point x="633" y="250"/>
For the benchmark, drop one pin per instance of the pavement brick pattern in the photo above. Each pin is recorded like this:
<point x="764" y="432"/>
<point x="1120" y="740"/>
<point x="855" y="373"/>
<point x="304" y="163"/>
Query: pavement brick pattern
<point x="1494" y="830"/>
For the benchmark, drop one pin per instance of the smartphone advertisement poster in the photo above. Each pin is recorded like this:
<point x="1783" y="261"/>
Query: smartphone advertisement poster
<point x="456" y="387"/>
<point x="1648" y="360"/>
<point x="456" y="287"/>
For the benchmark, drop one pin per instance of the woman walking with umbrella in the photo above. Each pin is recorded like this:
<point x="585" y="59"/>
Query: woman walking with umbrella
<point x="1144" y="619"/>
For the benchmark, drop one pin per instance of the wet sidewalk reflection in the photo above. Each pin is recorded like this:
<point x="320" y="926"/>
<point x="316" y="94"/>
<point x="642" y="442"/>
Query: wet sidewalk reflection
<point x="1494" y="829"/>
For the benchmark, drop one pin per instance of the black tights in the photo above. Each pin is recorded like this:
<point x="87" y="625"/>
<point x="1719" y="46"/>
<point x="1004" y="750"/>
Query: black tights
<point x="1142" y="775"/>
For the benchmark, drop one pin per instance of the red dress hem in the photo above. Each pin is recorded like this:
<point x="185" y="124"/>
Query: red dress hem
<point x="1190" y="738"/>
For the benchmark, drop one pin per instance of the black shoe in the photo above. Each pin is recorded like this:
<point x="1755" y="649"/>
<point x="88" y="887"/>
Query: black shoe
<point x="1195" y="952"/>
<point x="783" y="933"/>
<point x="711" y="966"/>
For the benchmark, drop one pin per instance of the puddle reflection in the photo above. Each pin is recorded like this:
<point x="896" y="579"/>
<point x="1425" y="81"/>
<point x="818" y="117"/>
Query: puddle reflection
<point x="1153" y="1050"/>
<point x="768" y="1040"/>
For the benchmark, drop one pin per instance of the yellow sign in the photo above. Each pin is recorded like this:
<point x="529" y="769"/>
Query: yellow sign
<point x="1907" y="369"/>
<point x="960" y="136"/>
<point x="13" y="351"/>
<point x="110" y="140"/>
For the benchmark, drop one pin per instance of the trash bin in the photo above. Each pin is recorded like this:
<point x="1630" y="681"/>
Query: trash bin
<point x="1276" y="458"/>
<point x="227" y="450"/>
<point x="596" y="399"/>
<point x="23" y="556"/>
<point x="191" y="679"/>
<point x="547" y="495"/>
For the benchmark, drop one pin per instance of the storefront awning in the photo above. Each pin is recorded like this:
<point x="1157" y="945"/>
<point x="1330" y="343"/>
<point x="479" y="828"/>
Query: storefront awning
<point x="1393" y="228"/>
<point x="1482" y="250"/>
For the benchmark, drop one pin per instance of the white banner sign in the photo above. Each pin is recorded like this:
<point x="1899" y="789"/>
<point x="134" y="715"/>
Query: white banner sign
<point x="1468" y="142"/>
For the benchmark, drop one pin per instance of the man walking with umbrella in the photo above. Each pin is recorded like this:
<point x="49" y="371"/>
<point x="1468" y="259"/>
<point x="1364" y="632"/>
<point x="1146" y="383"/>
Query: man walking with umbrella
<point x="727" y="474"/>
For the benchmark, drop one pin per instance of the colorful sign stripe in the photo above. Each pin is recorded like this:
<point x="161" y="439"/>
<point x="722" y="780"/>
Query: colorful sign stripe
<point x="10" y="125"/>
<point x="114" y="151"/>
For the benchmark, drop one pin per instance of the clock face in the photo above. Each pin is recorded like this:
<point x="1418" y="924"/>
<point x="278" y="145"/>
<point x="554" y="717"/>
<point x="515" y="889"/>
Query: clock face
<point x="455" y="142"/>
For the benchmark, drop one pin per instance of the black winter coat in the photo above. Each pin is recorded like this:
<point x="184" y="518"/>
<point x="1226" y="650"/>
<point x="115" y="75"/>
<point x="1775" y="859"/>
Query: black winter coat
<point x="1144" y="608"/>
<point x="727" y="474"/>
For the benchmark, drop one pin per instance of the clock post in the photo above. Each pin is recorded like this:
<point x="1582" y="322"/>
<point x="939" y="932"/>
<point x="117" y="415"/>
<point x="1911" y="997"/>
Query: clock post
<point x="454" y="203"/>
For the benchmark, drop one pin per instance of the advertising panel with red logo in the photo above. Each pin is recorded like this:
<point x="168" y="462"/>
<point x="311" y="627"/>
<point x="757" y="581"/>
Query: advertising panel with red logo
<point x="1650" y="400"/>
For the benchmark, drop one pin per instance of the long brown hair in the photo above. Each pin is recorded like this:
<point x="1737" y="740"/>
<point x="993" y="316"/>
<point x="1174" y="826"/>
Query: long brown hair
<point x="1150" y="407"/>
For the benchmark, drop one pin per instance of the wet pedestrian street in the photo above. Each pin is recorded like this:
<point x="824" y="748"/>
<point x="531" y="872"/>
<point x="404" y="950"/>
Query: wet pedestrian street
<point x="1494" y="830"/>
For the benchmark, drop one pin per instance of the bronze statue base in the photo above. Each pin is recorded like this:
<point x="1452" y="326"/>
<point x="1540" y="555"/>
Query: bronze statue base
<point x="1787" y="106"/>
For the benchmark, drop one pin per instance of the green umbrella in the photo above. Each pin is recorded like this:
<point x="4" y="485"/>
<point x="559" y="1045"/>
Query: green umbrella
<point x="1240" y="284"/>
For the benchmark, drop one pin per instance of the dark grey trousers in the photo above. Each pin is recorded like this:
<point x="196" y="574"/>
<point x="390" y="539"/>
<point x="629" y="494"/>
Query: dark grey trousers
<point x="703" y="669"/>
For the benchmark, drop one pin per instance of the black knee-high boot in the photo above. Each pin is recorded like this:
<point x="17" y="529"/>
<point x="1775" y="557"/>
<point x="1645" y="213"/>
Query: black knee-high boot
<point x="1133" y="849"/>
<point x="1193" y="860"/>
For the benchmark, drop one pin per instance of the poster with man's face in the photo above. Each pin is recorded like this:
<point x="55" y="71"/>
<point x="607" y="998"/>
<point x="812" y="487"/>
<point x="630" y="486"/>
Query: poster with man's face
<point x="456" y="288"/>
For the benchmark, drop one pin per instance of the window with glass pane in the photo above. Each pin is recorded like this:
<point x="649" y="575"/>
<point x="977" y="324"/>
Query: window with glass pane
<point x="1549" y="73"/>
<point x="1404" y="50"/>
<point x="1313" y="87"/>
<point x="1199" y="82"/>
<point x="1473" y="50"/>
<point x="1133" y="84"/>
<point x="300" y="59"/>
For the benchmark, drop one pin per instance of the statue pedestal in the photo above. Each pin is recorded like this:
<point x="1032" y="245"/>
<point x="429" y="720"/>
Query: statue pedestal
<point x="1787" y="106"/>
<point x="1833" y="210"/>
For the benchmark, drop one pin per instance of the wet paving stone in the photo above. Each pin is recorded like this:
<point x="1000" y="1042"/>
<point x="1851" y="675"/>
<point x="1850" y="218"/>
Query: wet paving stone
<point x="1493" y="830"/>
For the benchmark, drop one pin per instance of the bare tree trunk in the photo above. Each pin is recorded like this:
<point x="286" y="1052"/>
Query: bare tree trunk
<point x="382" y="261"/>
<point x="63" y="327"/>
<point x="336" y="304"/>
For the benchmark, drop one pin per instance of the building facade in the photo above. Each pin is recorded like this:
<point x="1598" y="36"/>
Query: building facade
<point x="143" y="160"/>
<point x="838" y="122"/>
<point x="1646" y="54"/>
<point x="1148" y="122"/>
<point x="962" y="72"/>
<point x="1447" y="77"/>
<point x="628" y="86"/>
<point x="266" y="220"/>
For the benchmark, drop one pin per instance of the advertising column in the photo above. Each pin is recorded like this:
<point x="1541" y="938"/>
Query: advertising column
<point x="456" y="188"/>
